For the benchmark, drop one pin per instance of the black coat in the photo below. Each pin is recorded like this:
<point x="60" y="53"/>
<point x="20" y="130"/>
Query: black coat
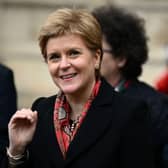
<point x="114" y="134"/>
<point x="158" y="108"/>
<point x="8" y="103"/>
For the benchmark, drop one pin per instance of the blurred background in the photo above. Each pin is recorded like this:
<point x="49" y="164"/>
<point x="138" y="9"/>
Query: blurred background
<point x="20" y="21"/>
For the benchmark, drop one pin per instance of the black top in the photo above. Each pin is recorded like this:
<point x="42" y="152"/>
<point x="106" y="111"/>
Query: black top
<point x="158" y="108"/>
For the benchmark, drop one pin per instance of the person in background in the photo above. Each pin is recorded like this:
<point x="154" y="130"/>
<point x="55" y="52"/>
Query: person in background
<point x="125" y="51"/>
<point x="8" y="104"/>
<point x="86" y="124"/>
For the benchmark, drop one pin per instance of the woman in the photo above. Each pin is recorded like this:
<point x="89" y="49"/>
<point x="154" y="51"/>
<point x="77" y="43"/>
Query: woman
<point x="86" y="124"/>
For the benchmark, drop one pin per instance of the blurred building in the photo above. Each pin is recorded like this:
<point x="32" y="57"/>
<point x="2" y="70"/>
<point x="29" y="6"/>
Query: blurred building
<point x="20" y="22"/>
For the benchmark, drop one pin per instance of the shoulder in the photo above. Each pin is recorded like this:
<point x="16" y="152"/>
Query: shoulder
<point x="123" y="104"/>
<point x="5" y="70"/>
<point x="137" y="107"/>
<point x="107" y="91"/>
<point x="142" y="90"/>
<point x="143" y="86"/>
<point x="43" y="103"/>
<point x="157" y="102"/>
<point x="6" y="76"/>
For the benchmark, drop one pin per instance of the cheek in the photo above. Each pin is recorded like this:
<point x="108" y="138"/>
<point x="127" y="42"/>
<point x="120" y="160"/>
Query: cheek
<point x="105" y="59"/>
<point x="105" y="63"/>
<point x="52" y="69"/>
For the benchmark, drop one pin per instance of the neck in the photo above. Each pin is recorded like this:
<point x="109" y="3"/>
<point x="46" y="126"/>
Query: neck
<point x="114" y="80"/>
<point x="77" y="101"/>
<point x="76" y="110"/>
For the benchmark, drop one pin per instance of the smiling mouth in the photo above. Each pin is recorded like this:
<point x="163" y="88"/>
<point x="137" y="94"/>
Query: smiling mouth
<point x="69" y="76"/>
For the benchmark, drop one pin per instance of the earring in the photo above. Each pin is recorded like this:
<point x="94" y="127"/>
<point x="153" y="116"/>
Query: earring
<point x="96" y="66"/>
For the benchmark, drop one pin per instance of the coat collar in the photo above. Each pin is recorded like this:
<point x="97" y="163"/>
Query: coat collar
<point x="101" y="110"/>
<point x="92" y="127"/>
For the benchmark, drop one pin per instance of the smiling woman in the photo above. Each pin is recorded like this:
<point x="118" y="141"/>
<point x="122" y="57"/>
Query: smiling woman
<point x="87" y="124"/>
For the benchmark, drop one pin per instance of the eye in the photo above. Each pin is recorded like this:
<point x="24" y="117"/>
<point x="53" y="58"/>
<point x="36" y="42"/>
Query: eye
<point x="53" y="57"/>
<point x="73" y="53"/>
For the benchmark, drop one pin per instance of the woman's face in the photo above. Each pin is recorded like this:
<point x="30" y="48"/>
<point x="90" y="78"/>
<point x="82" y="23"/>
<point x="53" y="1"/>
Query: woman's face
<point x="71" y="64"/>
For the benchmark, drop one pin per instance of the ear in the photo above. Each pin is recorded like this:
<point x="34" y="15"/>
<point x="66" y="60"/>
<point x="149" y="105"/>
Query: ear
<point x="97" y="58"/>
<point x="121" y="62"/>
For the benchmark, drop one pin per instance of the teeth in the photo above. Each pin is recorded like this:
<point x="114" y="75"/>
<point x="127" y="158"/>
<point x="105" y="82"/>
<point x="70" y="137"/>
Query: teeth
<point x="67" y="76"/>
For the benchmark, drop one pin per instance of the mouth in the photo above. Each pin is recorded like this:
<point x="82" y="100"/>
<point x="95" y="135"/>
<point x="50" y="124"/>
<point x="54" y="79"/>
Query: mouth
<point x="68" y="76"/>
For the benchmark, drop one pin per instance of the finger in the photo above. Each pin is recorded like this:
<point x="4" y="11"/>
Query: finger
<point x="21" y="115"/>
<point x="32" y="115"/>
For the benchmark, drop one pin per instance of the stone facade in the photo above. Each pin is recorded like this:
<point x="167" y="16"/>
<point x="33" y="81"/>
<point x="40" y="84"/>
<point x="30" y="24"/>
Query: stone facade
<point x="20" y="22"/>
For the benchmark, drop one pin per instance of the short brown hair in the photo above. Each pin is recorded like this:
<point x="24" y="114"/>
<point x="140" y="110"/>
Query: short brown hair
<point x="73" y="21"/>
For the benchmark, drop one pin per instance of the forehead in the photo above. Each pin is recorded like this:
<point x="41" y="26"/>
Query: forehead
<point x="66" y="41"/>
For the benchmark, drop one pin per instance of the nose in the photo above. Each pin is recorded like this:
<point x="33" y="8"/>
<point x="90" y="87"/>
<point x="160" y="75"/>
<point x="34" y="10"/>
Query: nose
<point x="64" y="63"/>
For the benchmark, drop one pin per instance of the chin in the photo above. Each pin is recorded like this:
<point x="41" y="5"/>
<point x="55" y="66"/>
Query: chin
<point x="69" y="90"/>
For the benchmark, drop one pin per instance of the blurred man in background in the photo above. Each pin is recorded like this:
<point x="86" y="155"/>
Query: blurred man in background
<point x="125" y="51"/>
<point x="8" y="104"/>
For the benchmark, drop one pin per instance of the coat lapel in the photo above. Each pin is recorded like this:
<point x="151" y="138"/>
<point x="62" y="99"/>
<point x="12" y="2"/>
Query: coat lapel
<point x="96" y="122"/>
<point x="48" y="133"/>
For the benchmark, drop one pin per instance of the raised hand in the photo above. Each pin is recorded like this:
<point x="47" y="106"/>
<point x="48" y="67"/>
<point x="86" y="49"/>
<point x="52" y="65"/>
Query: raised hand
<point x="21" y="130"/>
